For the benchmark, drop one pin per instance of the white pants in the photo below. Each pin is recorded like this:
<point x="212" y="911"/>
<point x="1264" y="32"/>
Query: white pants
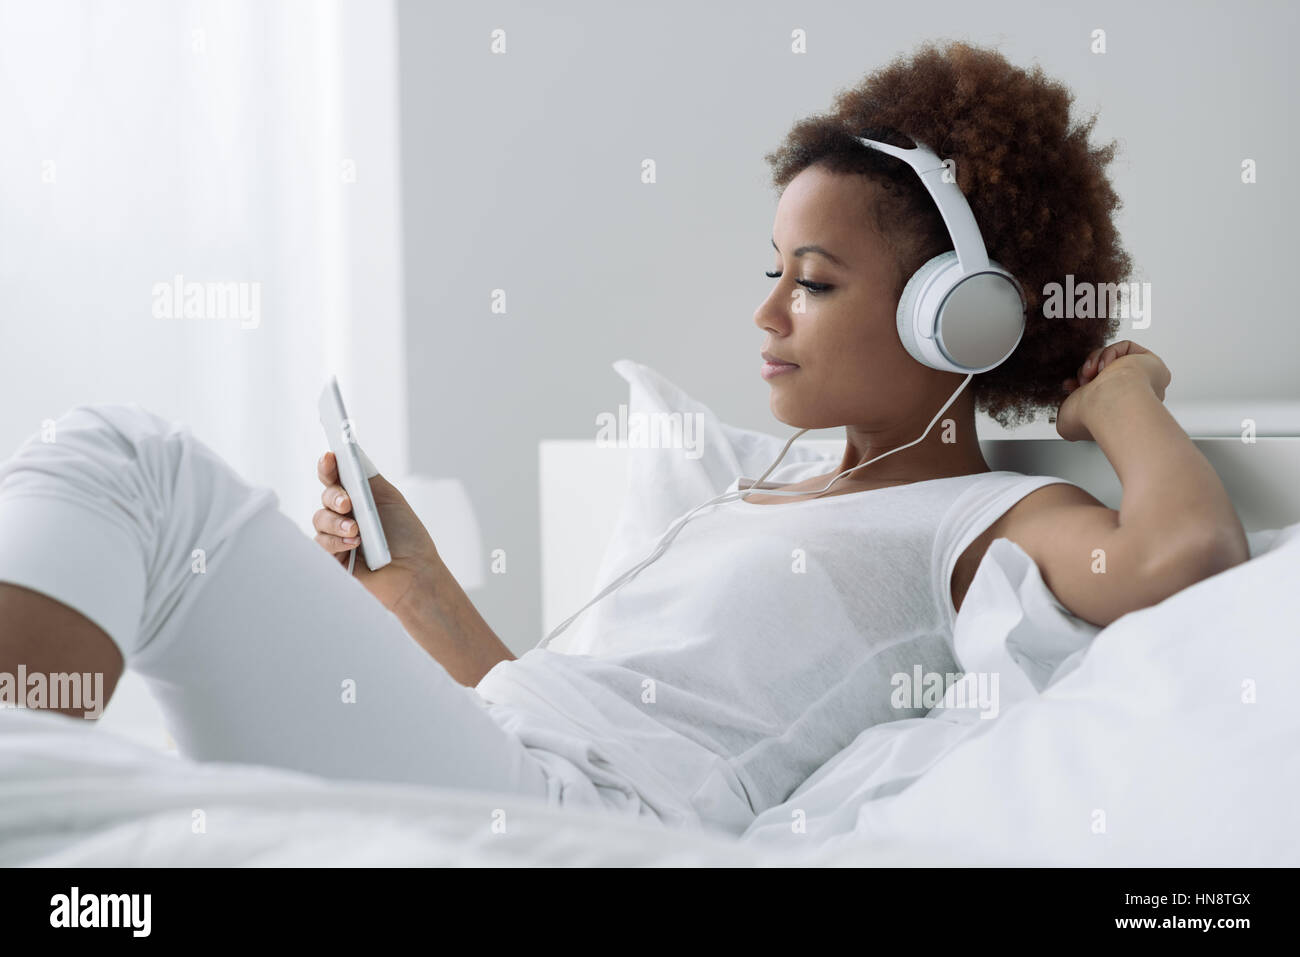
<point x="254" y="640"/>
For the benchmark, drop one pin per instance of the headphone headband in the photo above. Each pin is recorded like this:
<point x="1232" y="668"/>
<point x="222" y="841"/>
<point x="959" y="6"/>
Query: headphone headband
<point x="953" y="207"/>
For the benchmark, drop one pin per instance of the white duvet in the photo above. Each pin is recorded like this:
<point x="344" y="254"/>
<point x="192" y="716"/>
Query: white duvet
<point x="1168" y="738"/>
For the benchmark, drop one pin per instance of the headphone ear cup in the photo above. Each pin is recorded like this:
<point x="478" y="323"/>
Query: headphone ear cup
<point x="907" y="303"/>
<point x="982" y="319"/>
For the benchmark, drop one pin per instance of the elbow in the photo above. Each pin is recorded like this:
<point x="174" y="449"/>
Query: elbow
<point x="1219" y="549"/>
<point x="1229" y="549"/>
<point x="1202" y="555"/>
<point x="1162" y="572"/>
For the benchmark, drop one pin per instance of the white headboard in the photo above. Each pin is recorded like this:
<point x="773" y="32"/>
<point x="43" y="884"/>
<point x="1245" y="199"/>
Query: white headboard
<point x="582" y="487"/>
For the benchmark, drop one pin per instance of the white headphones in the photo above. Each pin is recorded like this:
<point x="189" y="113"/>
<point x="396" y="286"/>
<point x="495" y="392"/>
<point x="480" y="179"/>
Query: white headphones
<point x="960" y="312"/>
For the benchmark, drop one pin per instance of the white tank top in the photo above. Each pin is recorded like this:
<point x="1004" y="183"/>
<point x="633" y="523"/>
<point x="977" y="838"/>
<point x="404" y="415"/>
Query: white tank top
<point x="763" y="641"/>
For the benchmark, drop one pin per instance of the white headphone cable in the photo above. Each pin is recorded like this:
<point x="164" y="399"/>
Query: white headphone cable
<point x="671" y="533"/>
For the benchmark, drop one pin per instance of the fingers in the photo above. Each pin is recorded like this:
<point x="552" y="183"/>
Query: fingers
<point x="1109" y="354"/>
<point x="336" y="526"/>
<point x="335" y="545"/>
<point x="1099" y="358"/>
<point x="335" y="532"/>
<point x="335" y="498"/>
<point x="327" y="469"/>
<point x="1087" y="370"/>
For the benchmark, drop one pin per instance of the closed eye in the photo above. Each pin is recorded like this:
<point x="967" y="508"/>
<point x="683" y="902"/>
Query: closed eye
<point x="813" y="287"/>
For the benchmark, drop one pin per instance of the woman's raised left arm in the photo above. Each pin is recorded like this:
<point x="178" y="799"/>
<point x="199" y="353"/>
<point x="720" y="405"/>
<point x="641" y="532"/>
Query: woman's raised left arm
<point x="1175" y="525"/>
<point x="1172" y="495"/>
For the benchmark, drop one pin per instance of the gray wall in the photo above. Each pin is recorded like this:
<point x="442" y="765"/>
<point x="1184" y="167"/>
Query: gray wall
<point x="521" y="172"/>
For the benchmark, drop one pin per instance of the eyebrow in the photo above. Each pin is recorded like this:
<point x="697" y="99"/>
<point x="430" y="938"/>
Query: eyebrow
<point x="814" y="249"/>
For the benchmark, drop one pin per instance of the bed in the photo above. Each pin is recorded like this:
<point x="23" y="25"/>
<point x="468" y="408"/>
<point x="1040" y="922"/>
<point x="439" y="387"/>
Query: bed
<point x="1167" y="738"/>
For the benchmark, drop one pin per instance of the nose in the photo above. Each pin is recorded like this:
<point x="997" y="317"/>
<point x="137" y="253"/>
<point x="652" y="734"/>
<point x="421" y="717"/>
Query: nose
<point x="770" y="317"/>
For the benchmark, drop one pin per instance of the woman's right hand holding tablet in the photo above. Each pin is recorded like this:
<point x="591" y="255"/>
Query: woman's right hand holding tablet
<point x="416" y="585"/>
<point x="414" y="556"/>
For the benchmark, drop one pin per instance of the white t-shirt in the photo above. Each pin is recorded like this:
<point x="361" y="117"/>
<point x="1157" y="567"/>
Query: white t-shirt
<point x="762" y="642"/>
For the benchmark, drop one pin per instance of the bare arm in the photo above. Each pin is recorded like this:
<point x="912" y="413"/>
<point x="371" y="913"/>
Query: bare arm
<point x="1175" y="525"/>
<point x="444" y="622"/>
<point x="1173" y="499"/>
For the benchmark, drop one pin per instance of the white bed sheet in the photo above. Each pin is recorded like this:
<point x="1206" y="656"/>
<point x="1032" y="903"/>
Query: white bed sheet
<point x="71" y="795"/>
<point x="1148" y="723"/>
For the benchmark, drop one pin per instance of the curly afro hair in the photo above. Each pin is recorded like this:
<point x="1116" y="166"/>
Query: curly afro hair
<point x="1037" y="189"/>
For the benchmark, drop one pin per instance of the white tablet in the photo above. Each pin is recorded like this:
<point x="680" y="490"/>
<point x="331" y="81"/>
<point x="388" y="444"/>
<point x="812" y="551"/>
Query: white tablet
<point x="352" y="476"/>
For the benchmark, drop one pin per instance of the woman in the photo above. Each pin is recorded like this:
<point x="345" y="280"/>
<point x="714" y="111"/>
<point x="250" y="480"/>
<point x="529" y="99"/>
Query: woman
<point x="697" y="700"/>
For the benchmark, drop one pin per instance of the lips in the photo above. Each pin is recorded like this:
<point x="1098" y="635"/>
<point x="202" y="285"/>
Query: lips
<point x="773" y="366"/>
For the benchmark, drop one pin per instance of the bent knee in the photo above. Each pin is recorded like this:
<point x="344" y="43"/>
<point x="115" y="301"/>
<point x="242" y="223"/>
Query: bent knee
<point x="130" y="422"/>
<point x="48" y="639"/>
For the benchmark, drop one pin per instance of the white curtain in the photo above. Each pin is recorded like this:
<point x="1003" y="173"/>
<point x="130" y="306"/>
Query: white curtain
<point x="237" y="141"/>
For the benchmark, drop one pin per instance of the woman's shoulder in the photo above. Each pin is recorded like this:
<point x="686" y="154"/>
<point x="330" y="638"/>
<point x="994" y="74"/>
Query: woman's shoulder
<point x="1045" y="493"/>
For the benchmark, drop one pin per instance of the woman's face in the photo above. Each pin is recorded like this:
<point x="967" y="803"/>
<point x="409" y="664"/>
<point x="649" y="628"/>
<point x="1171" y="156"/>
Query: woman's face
<point x="836" y="320"/>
